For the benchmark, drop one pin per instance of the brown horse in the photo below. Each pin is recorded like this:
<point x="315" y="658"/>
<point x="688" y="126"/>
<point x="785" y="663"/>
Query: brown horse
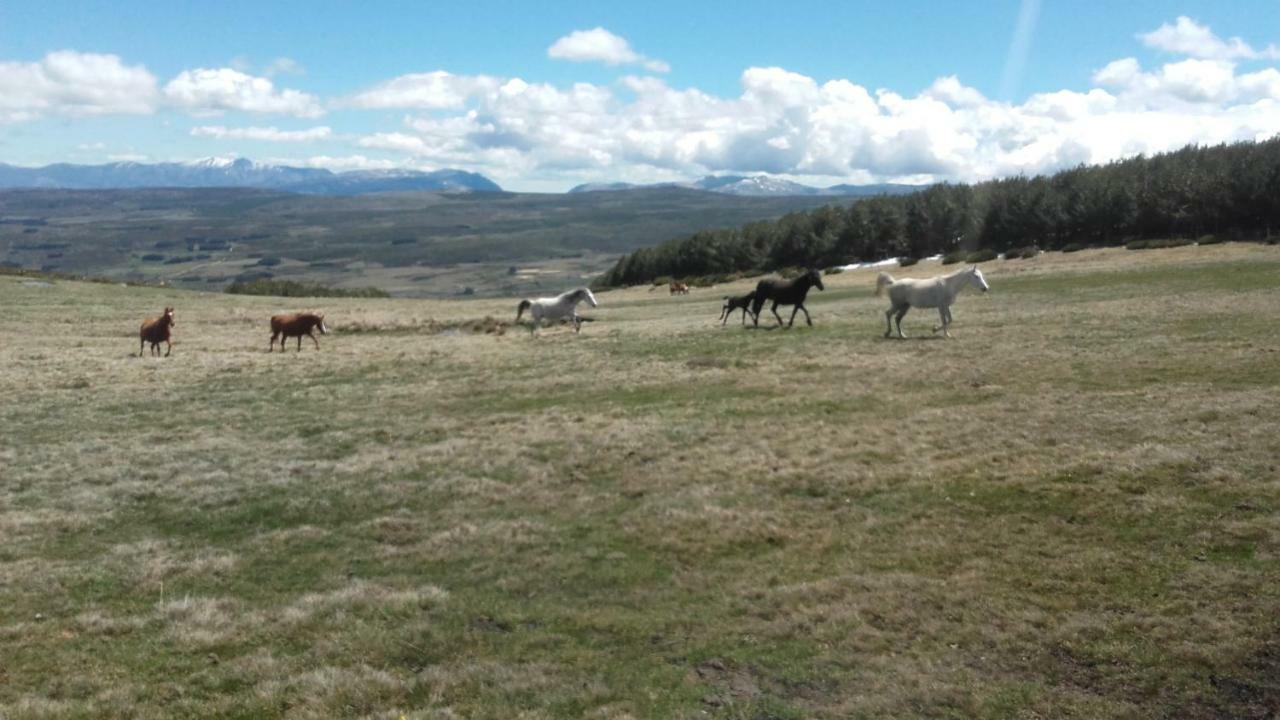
<point x="156" y="331"/>
<point x="296" y="325"/>
<point x="679" y="288"/>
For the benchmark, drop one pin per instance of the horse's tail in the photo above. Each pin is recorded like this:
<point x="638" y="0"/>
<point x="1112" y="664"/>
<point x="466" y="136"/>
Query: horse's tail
<point x="883" y="280"/>
<point x="524" y="305"/>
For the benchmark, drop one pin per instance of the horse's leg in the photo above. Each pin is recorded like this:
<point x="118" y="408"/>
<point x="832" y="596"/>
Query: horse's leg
<point x="168" y="347"/>
<point x="942" y="316"/>
<point x="806" y="314"/>
<point x="795" y="310"/>
<point x="142" y="345"/>
<point x="299" y="344"/>
<point x="946" y="322"/>
<point x="577" y="324"/>
<point x="774" y="309"/>
<point x="311" y="335"/>
<point x="888" y="321"/>
<point x="901" y="314"/>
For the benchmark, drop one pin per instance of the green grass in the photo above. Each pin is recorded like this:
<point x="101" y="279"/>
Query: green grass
<point x="1068" y="511"/>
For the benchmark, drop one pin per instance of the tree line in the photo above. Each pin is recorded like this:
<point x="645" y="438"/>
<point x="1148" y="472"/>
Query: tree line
<point x="1224" y="191"/>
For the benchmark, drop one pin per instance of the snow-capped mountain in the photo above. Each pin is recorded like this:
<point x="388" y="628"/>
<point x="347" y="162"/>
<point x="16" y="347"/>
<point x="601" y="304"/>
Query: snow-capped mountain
<point x="758" y="186"/>
<point x="240" y="172"/>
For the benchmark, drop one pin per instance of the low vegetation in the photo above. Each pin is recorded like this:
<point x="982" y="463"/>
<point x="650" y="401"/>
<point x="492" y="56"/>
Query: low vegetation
<point x="294" y="288"/>
<point x="1069" y="511"/>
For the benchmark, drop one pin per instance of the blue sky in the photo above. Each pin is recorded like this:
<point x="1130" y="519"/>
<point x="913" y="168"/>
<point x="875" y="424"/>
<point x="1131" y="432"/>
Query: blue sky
<point x="818" y="92"/>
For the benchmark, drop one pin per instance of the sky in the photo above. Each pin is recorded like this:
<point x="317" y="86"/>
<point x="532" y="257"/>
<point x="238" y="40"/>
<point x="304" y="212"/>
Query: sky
<point x="544" y="96"/>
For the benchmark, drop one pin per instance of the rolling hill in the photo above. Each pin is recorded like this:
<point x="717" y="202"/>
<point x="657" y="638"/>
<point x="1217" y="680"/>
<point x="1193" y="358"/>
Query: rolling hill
<point x="411" y="244"/>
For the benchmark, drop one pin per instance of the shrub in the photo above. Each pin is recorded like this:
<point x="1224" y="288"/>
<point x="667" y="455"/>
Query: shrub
<point x="954" y="257"/>
<point x="1072" y="247"/>
<point x="662" y="280"/>
<point x="293" y="288"/>
<point x="269" y="261"/>
<point x="1157" y="244"/>
<point x="152" y="257"/>
<point x="907" y="261"/>
<point x="1209" y="240"/>
<point x="833" y="270"/>
<point x="1029" y="251"/>
<point x="978" y="256"/>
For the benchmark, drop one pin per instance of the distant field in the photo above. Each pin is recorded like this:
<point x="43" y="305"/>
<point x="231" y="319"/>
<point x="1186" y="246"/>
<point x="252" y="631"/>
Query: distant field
<point x="1071" y="510"/>
<point x="410" y="244"/>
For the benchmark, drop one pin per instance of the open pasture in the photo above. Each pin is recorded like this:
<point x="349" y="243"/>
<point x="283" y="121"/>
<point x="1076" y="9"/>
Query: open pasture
<point x="1070" y="510"/>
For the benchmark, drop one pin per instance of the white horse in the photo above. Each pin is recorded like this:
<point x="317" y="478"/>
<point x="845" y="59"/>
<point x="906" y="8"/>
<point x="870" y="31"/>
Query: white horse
<point x="937" y="292"/>
<point x="564" y="305"/>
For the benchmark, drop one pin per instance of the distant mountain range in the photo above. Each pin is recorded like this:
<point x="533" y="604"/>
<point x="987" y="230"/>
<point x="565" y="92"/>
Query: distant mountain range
<point x="241" y="172"/>
<point x="758" y="186"/>
<point x="222" y="172"/>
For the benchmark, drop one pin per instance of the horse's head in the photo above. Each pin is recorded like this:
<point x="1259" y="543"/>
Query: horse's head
<point x="524" y="305"/>
<point x="585" y="294"/>
<point x="975" y="277"/>
<point x="168" y="317"/>
<point x="815" y="278"/>
<point x="324" y="329"/>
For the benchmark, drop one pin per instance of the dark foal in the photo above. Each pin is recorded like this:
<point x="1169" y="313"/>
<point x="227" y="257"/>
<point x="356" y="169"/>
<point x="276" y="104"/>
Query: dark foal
<point x="156" y="331"/>
<point x="742" y="303"/>
<point x="786" y="292"/>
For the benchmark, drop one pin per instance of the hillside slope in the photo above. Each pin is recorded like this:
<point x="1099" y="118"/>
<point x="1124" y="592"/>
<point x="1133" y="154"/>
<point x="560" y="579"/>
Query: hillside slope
<point x="409" y="243"/>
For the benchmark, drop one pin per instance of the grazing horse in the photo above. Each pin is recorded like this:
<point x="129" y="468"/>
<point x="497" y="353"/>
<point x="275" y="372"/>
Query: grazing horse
<point x="679" y="288"/>
<point x="939" y="292"/>
<point x="156" y="331"/>
<point x="296" y="325"/>
<point x="561" y="307"/>
<point x="742" y="303"/>
<point x="786" y="292"/>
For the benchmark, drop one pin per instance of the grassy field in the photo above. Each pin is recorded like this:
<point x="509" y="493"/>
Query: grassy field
<point x="1070" y="510"/>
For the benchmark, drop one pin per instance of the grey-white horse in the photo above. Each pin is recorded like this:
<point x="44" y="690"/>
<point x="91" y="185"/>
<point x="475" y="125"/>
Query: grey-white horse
<point x="561" y="307"/>
<point x="937" y="292"/>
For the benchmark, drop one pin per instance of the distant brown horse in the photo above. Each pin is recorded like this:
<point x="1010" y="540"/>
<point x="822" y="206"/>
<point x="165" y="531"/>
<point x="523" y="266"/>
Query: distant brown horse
<point x="156" y="331"/>
<point x="296" y="325"/>
<point x="679" y="288"/>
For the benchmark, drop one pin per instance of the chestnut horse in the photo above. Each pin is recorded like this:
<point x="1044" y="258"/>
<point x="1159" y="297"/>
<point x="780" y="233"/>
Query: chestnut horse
<point x="296" y="325"/>
<point x="156" y="331"/>
<point x="679" y="288"/>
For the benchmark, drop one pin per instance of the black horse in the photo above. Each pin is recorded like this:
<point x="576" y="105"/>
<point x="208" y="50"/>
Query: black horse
<point x="786" y="292"/>
<point x="742" y="303"/>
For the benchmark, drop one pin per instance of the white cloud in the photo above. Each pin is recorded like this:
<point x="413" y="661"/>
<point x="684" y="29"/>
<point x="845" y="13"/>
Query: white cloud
<point x="790" y="124"/>
<point x="600" y="45"/>
<point x="284" y="66"/>
<point x="1187" y="37"/>
<point x="212" y="91"/>
<point x="75" y="84"/>
<point x="267" y="134"/>
<point x="425" y="91"/>
<point x="338" y="164"/>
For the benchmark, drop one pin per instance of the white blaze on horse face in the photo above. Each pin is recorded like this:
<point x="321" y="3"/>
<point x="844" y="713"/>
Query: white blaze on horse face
<point x="979" y="280"/>
<point x="591" y="298"/>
